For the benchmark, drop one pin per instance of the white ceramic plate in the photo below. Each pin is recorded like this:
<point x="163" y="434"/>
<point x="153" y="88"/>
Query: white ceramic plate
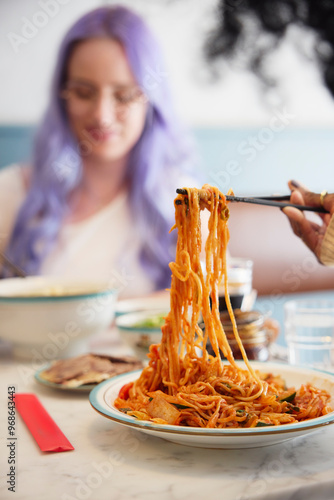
<point x="103" y="396"/>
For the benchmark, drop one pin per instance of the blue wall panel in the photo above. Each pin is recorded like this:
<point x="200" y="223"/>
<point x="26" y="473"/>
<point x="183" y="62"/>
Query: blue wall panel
<point x="251" y="161"/>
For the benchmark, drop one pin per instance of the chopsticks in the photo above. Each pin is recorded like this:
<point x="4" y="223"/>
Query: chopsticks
<point x="270" y="201"/>
<point x="45" y="431"/>
<point x="284" y="197"/>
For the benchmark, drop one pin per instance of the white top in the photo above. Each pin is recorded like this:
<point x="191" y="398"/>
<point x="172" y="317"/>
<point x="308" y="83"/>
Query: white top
<point x="102" y="247"/>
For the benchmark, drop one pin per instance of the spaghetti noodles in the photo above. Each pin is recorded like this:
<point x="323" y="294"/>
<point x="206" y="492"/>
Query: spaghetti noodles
<point x="183" y="384"/>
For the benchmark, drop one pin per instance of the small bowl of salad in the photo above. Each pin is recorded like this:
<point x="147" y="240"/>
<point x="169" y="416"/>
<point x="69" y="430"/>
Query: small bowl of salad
<point x="141" y="329"/>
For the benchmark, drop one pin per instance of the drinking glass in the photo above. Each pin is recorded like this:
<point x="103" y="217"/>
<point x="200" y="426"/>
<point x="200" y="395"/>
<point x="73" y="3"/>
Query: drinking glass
<point x="240" y="277"/>
<point x="309" y="333"/>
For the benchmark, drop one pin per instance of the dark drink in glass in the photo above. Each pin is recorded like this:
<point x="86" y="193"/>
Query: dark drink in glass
<point x="239" y="275"/>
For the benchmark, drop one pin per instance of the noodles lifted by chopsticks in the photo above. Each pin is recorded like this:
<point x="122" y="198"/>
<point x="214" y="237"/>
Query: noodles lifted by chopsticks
<point x="183" y="384"/>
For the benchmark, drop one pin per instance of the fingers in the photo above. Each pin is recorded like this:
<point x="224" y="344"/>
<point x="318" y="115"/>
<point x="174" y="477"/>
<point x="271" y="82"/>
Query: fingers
<point x="297" y="198"/>
<point x="293" y="214"/>
<point x="296" y="185"/>
<point x="309" y="232"/>
<point x="309" y="198"/>
<point x="296" y="219"/>
<point x="328" y="203"/>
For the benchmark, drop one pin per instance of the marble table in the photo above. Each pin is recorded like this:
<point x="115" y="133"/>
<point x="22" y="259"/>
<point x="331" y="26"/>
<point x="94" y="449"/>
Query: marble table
<point x="111" y="462"/>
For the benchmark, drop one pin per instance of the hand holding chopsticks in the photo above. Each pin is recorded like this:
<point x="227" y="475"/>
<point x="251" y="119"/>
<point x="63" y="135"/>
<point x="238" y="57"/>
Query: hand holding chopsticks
<point x="317" y="237"/>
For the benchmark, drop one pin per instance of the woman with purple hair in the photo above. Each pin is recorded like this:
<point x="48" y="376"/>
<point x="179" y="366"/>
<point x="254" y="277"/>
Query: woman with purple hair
<point x="108" y="156"/>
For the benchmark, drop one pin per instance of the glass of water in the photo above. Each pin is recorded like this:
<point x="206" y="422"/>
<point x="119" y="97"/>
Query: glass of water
<point x="309" y="333"/>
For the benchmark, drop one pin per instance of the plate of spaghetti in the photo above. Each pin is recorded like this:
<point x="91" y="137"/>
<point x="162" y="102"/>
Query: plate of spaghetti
<point x="189" y="396"/>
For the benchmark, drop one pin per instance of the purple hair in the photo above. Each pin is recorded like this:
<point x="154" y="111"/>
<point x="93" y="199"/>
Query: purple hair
<point x="158" y="159"/>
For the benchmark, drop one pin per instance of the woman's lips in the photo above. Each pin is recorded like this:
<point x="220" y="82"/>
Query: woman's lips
<point x="101" y="135"/>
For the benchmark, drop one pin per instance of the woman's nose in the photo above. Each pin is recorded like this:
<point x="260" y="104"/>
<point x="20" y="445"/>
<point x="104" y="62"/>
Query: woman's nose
<point x="105" y="109"/>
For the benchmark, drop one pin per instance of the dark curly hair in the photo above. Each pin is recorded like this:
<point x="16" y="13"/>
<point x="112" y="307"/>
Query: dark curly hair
<point x="244" y="25"/>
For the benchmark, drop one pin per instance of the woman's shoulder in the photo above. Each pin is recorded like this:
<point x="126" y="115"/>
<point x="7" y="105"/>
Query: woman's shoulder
<point x="14" y="181"/>
<point x="12" y="194"/>
<point x="16" y="176"/>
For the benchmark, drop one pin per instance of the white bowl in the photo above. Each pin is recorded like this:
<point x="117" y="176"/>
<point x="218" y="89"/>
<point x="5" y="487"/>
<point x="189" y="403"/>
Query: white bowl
<point x="46" y="318"/>
<point x="136" y="334"/>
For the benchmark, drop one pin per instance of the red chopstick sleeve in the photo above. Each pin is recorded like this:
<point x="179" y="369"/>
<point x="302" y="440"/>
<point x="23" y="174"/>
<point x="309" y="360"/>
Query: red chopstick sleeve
<point x="43" y="428"/>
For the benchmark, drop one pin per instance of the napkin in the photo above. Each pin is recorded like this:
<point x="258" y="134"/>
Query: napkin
<point x="43" y="428"/>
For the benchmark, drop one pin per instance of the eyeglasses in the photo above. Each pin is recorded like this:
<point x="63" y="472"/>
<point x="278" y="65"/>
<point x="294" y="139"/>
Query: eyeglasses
<point x="82" y="96"/>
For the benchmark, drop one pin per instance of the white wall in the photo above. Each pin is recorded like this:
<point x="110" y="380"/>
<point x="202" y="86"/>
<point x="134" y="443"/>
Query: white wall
<point x="181" y="26"/>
